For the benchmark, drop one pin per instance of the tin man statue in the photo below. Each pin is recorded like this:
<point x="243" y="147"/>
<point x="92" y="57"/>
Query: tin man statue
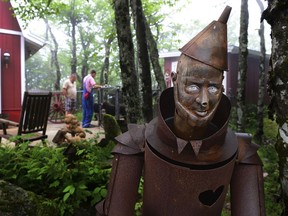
<point x="188" y="156"/>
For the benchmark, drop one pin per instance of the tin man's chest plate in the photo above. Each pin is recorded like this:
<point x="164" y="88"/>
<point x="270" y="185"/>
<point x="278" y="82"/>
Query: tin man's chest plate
<point x="172" y="189"/>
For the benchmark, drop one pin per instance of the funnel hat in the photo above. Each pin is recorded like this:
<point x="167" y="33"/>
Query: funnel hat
<point x="210" y="45"/>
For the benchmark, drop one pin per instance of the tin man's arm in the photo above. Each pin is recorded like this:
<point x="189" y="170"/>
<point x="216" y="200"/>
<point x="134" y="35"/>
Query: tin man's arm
<point x="247" y="187"/>
<point x="126" y="172"/>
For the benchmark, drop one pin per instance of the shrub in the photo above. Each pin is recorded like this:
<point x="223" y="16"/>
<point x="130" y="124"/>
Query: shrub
<point x="47" y="172"/>
<point x="111" y="127"/>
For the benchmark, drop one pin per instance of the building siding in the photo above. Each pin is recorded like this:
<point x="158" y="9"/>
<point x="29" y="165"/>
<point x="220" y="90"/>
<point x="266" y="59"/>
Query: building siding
<point x="8" y="21"/>
<point x="10" y="41"/>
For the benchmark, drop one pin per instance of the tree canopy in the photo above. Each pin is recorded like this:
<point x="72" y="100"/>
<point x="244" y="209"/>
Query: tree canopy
<point x="83" y="36"/>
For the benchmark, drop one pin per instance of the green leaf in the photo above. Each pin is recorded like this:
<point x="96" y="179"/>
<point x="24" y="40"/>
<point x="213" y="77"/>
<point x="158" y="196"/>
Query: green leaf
<point x="81" y="151"/>
<point x="96" y="199"/>
<point x="66" y="196"/>
<point x="54" y="184"/>
<point x="103" y="192"/>
<point x="70" y="189"/>
<point x="96" y="190"/>
<point x="82" y="186"/>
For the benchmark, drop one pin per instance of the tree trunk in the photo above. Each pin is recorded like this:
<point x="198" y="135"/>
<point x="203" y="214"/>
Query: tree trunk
<point x="54" y="56"/>
<point x="154" y="57"/>
<point x="242" y="65"/>
<point x="262" y="81"/>
<point x="144" y="63"/>
<point x="85" y="47"/>
<point x="73" y="23"/>
<point x="130" y="88"/>
<point x="105" y="67"/>
<point x="276" y="16"/>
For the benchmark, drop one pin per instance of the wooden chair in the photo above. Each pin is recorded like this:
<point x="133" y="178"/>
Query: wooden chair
<point x="33" y="119"/>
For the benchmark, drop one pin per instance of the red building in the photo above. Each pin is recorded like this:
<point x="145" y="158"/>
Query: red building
<point x="231" y="77"/>
<point x="15" y="48"/>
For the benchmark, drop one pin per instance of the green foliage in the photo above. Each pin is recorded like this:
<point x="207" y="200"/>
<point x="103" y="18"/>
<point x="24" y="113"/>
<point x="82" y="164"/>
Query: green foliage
<point x="32" y="9"/>
<point x="269" y="158"/>
<point x="139" y="203"/>
<point x="69" y="181"/>
<point x="78" y="115"/>
<point x="269" y="126"/>
<point x="251" y="120"/>
<point x="270" y="129"/>
<point x="39" y="74"/>
<point x="271" y="181"/>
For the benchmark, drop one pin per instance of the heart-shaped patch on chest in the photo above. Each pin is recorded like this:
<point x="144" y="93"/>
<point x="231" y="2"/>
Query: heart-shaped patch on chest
<point x="209" y="197"/>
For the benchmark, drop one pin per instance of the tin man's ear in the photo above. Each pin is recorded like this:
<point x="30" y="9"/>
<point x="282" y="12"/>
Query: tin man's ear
<point x="174" y="76"/>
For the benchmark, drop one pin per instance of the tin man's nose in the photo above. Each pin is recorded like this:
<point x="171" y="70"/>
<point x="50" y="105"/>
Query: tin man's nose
<point x="203" y="98"/>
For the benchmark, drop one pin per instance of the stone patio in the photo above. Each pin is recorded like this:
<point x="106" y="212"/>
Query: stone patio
<point x="52" y="129"/>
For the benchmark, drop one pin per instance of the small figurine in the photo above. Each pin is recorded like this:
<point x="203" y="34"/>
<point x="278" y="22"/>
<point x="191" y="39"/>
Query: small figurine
<point x="71" y="133"/>
<point x="188" y="156"/>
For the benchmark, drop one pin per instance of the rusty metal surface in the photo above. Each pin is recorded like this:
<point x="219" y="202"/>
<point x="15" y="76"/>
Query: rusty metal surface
<point x="247" y="191"/>
<point x="247" y="152"/>
<point x="210" y="45"/>
<point x="123" y="186"/>
<point x="132" y="141"/>
<point x="173" y="190"/>
<point x="187" y="177"/>
<point x="216" y="148"/>
<point x="177" y="186"/>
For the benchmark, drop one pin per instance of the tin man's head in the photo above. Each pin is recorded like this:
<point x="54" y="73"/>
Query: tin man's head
<point x="198" y="81"/>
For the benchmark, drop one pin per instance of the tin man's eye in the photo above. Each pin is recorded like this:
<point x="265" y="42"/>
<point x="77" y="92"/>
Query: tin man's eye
<point x="213" y="89"/>
<point x="192" y="89"/>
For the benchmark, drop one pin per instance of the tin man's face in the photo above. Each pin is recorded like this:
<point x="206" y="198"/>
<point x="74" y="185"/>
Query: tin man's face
<point x="198" y="91"/>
